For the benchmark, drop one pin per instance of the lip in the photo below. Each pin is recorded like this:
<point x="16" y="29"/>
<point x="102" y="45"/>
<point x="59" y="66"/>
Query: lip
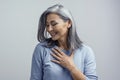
<point x="53" y="34"/>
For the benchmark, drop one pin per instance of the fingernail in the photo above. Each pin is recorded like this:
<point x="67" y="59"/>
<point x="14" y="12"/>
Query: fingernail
<point x="52" y="48"/>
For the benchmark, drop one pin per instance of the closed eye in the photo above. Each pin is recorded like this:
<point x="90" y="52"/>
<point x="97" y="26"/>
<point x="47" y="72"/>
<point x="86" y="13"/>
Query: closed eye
<point x="53" y="24"/>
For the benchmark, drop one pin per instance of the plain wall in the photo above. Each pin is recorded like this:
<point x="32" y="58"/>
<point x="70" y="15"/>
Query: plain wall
<point x="98" y="25"/>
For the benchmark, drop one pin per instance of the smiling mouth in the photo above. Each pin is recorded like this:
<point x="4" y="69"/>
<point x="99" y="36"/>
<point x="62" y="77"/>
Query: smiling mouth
<point x="53" y="34"/>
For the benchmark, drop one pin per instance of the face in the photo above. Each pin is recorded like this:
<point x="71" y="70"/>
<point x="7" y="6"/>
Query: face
<point x="57" y="27"/>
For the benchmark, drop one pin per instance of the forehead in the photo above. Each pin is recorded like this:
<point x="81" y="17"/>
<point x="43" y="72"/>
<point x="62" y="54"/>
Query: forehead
<point x="52" y="16"/>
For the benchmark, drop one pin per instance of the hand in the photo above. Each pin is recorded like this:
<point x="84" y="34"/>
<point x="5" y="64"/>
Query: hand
<point x="63" y="59"/>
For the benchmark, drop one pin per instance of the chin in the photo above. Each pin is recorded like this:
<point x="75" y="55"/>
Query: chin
<point x="54" y="39"/>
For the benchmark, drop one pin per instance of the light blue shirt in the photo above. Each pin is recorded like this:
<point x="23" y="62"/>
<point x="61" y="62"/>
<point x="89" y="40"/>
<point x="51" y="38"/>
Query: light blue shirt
<point x="44" y="69"/>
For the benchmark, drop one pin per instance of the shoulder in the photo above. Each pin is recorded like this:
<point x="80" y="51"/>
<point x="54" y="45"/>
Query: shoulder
<point x="40" y="47"/>
<point x="86" y="50"/>
<point x="42" y="44"/>
<point x="39" y="50"/>
<point x="86" y="47"/>
<point x="47" y="43"/>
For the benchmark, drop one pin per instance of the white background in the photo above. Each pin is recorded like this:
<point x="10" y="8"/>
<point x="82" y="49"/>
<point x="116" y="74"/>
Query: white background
<point x="98" y="25"/>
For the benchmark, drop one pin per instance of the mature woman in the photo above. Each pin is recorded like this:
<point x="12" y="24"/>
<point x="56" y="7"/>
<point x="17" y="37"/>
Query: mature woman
<point x="61" y="55"/>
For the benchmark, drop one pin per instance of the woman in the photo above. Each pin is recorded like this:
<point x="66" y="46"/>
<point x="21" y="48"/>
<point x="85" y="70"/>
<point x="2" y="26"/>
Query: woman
<point x="61" y="55"/>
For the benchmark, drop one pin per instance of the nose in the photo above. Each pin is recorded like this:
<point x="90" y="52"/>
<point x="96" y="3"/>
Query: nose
<point x="49" y="28"/>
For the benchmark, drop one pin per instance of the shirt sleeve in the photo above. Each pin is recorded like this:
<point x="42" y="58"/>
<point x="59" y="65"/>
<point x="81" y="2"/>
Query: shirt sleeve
<point x="90" y="65"/>
<point x="36" y="67"/>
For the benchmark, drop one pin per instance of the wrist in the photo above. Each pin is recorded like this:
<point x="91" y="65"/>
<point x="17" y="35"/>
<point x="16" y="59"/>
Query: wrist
<point x="72" y="68"/>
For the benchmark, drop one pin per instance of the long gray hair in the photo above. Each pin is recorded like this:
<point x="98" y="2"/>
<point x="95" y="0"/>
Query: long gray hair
<point x="73" y="41"/>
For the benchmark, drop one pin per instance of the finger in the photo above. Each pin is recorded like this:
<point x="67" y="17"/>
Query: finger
<point x="55" y="56"/>
<point x="57" y="49"/>
<point x="56" y="52"/>
<point x="55" y="61"/>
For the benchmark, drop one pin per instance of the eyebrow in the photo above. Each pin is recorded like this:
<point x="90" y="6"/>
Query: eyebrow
<point x="51" y="21"/>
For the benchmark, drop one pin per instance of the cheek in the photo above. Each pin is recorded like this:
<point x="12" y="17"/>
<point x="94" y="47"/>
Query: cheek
<point x="62" y="31"/>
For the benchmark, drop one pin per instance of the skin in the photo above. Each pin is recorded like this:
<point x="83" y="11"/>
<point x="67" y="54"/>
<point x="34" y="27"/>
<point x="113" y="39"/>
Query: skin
<point x="58" y="30"/>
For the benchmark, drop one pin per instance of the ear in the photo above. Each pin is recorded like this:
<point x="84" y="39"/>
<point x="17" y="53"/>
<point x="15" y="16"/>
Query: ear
<point x="69" y="23"/>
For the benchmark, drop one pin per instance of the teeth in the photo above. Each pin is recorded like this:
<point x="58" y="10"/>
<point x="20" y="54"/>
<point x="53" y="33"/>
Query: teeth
<point x="53" y="34"/>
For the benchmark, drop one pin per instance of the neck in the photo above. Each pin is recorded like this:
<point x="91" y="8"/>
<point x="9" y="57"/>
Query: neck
<point x="63" y="44"/>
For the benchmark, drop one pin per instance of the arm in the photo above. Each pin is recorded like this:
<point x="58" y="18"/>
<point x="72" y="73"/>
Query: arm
<point x="76" y="73"/>
<point x="67" y="62"/>
<point x="36" y="68"/>
<point x="90" y="65"/>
